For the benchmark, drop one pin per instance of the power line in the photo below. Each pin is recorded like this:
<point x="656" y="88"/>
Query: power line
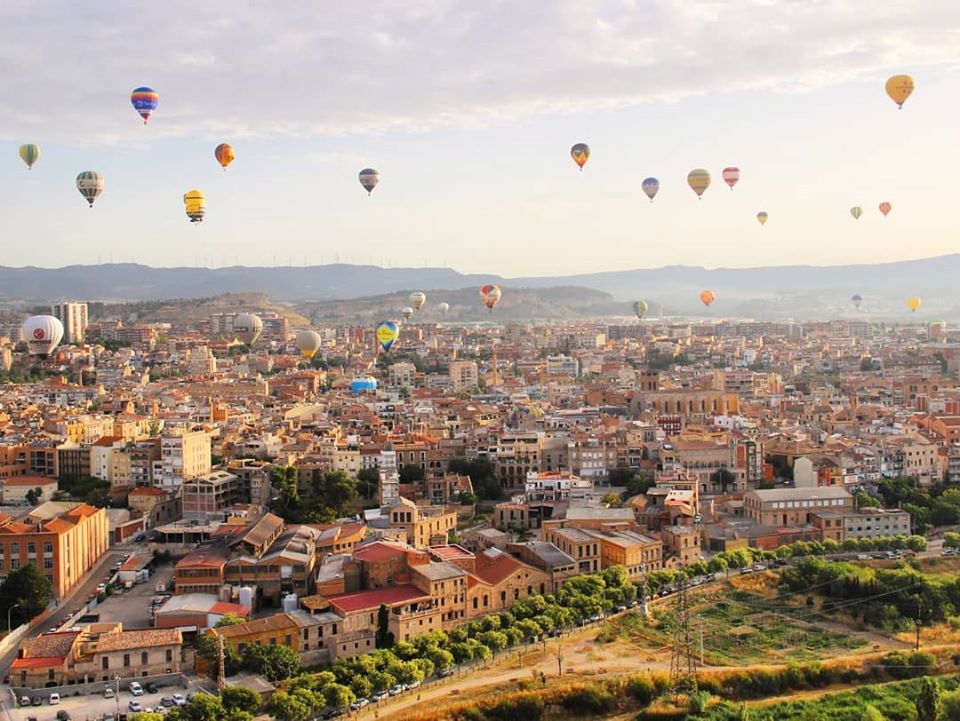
<point x="683" y="663"/>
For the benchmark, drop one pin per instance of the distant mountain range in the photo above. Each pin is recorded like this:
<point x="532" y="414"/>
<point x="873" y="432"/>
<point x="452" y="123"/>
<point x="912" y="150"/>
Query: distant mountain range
<point x="776" y="291"/>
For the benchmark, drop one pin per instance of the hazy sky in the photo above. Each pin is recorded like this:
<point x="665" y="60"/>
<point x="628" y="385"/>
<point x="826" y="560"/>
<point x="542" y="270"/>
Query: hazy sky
<point x="468" y="109"/>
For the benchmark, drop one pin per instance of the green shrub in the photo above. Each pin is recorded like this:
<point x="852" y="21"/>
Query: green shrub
<point x="641" y="689"/>
<point x="589" y="700"/>
<point x="528" y="708"/>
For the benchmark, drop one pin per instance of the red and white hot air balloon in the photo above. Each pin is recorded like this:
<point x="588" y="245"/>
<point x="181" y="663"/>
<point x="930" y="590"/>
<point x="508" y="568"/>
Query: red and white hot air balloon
<point x="885" y="208"/>
<point x="730" y="176"/>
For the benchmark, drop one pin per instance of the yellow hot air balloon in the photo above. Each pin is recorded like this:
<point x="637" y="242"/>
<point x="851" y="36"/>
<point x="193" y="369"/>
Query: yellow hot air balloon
<point x="913" y="302"/>
<point x="195" y="205"/>
<point x="762" y="217"/>
<point x="699" y="180"/>
<point x="899" y="88"/>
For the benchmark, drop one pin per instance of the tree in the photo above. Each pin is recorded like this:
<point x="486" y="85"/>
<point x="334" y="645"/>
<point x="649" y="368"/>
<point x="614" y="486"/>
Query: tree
<point x="207" y="707"/>
<point x="338" y="696"/>
<point x="861" y="499"/>
<point x="368" y="482"/>
<point x="928" y="699"/>
<point x="288" y="707"/>
<point x="33" y="496"/>
<point x="725" y="478"/>
<point x="411" y="472"/>
<point x="339" y="491"/>
<point x="284" y="480"/>
<point x="612" y="500"/>
<point x="872" y="713"/>
<point x="27" y="589"/>
<point x="384" y="638"/>
<point x="274" y="661"/>
<point x="241" y="698"/>
<point x="951" y="540"/>
<point x="229" y="619"/>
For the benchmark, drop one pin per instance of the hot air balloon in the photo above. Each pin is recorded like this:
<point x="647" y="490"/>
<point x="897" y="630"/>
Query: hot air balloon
<point x="29" y="154"/>
<point x="913" y="302"/>
<point x="224" y="154"/>
<point x="857" y="300"/>
<point x="417" y="299"/>
<point x="42" y="333"/>
<point x="580" y="154"/>
<point x="90" y="185"/>
<point x="899" y="88"/>
<point x="885" y="208"/>
<point x="707" y="297"/>
<point x="640" y="308"/>
<point x="491" y="295"/>
<point x="762" y="217"/>
<point x="308" y="343"/>
<point x="195" y="205"/>
<point x="730" y="176"/>
<point x="387" y="334"/>
<point x="247" y="327"/>
<point x="407" y="312"/>
<point x="369" y="179"/>
<point x="444" y="307"/>
<point x="856" y="211"/>
<point x="144" y="101"/>
<point x="650" y="187"/>
<point x="699" y="180"/>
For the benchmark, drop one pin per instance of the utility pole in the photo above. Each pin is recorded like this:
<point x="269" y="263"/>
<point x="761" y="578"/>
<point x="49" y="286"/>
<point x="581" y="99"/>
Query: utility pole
<point x="559" y="658"/>
<point x="221" y="682"/>
<point x="683" y="662"/>
<point x="919" y="614"/>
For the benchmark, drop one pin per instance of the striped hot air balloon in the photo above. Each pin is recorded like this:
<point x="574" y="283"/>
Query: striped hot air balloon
<point x="29" y="154"/>
<point x="144" y="101"/>
<point x="699" y="180"/>
<point x="90" y="185"/>
<point x="730" y="176"/>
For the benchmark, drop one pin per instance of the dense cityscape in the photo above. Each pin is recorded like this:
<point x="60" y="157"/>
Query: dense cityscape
<point x="236" y="505"/>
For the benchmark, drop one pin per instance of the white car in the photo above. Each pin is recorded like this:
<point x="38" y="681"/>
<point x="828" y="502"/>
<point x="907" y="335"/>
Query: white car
<point x="136" y="689"/>
<point x="54" y="699"/>
<point x="135" y="706"/>
<point x="179" y="699"/>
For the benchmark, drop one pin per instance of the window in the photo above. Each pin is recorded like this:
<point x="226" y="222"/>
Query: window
<point x="31" y="547"/>
<point x="126" y="660"/>
<point x="48" y="547"/>
<point x="48" y="563"/>
<point x="14" y="564"/>
<point x="105" y="663"/>
<point x="169" y="655"/>
<point x="143" y="658"/>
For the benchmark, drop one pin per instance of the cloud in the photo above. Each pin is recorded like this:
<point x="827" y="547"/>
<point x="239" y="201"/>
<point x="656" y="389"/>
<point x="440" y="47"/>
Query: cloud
<point x="302" y="68"/>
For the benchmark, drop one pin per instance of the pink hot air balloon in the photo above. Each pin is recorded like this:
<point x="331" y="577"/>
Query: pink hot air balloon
<point x="885" y="208"/>
<point x="730" y="176"/>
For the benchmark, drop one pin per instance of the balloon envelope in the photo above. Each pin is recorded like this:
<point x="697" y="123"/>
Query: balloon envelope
<point x="387" y="334"/>
<point x="144" y="101"/>
<point x="443" y="307"/>
<point x="406" y="312"/>
<point x="224" y="154"/>
<point x="730" y="176"/>
<point x="90" y="185"/>
<point x="640" y="308"/>
<point x="308" y="343"/>
<point x="42" y="333"/>
<point x="29" y="154"/>
<point x="369" y="179"/>
<point x="707" y="297"/>
<point x="650" y="187"/>
<point x="699" y="180"/>
<point x="885" y="208"/>
<point x="247" y="327"/>
<point x="195" y="205"/>
<point x="856" y="211"/>
<point x="913" y="302"/>
<point x="363" y="384"/>
<point x="762" y="217"/>
<point x="490" y="294"/>
<point x="857" y="300"/>
<point x="580" y="154"/>
<point x="417" y="299"/>
<point x="899" y="88"/>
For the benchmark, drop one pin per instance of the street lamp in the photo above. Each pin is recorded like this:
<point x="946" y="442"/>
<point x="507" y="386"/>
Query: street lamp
<point x="117" y="695"/>
<point x="9" y="611"/>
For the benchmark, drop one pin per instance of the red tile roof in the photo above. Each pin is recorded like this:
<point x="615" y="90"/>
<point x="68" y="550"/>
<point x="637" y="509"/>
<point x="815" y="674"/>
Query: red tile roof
<point x="36" y="662"/>
<point x="379" y="551"/>
<point x="361" y="600"/>
<point x="494" y="570"/>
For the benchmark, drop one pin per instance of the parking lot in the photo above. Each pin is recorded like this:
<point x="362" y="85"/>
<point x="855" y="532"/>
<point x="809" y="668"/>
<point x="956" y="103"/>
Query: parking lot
<point x="94" y="706"/>
<point x="132" y="607"/>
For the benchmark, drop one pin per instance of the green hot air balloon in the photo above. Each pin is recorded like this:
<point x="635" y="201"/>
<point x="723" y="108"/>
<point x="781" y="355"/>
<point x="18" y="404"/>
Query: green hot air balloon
<point x="640" y="308"/>
<point x="29" y="154"/>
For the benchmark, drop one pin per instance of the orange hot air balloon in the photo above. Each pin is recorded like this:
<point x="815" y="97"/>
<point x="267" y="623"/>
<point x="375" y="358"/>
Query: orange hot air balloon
<point x="707" y="297"/>
<point x="899" y="88"/>
<point x="580" y="154"/>
<point x="885" y="208"/>
<point x="224" y="154"/>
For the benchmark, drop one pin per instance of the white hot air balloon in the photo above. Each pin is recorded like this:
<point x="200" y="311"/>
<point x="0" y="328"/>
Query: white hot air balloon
<point x="417" y="299"/>
<point x="42" y="333"/>
<point x="247" y="327"/>
<point x="308" y="343"/>
<point x="443" y="307"/>
<point x="406" y="312"/>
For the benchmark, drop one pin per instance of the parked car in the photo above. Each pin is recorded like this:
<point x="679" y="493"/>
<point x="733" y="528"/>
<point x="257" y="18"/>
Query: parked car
<point x="54" y="699"/>
<point x="359" y="704"/>
<point x="136" y="689"/>
<point x="151" y="687"/>
<point x="394" y="690"/>
<point x="378" y="696"/>
<point x="108" y="691"/>
<point x="168" y="701"/>
<point x="447" y="672"/>
<point x="179" y="699"/>
<point x="63" y="715"/>
<point x="135" y="706"/>
<point x="24" y="700"/>
<point x="37" y="701"/>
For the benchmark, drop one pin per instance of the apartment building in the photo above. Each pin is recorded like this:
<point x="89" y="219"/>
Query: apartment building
<point x="64" y="540"/>
<point x="793" y="506"/>
<point x="423" y="525"/>
<point x="464" y="375"/>
<point x="183" y="454"/>
<point x="73" y="315"/>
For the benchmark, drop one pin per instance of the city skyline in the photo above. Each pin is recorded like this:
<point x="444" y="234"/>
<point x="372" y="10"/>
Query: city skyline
<point x="460" y="133"/>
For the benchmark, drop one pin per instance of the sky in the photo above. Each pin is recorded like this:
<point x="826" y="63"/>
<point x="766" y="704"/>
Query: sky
<point x="468" y="110"/>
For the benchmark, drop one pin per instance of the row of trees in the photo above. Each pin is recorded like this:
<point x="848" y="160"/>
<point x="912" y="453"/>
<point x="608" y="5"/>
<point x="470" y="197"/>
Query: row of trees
<point x="889" y="598"/>
<point x="235" y="703"/>
<point x="412" y="661"/>
<point x="933" y="505"/>
<point x="275" y="662"/>
<point x="25" y="593"/>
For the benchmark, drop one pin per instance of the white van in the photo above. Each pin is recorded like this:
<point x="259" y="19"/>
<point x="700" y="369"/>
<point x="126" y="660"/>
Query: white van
<point x="108" y="691"/>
